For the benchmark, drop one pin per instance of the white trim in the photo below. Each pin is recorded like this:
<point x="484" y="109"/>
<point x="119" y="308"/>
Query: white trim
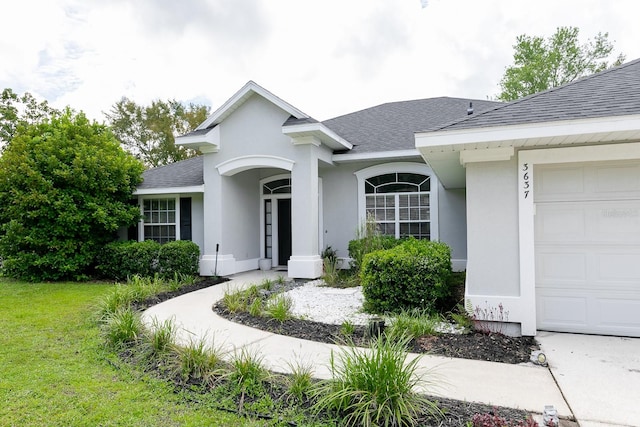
<point x="243" y="163"/>
<point x="332" y="139"/>
<point x="274" y="217"/>
<point x="226" y="265"/>
<point x="487" y="155"/>
<point x="169" y="190"/>
<point x="305" y="266"/>
<point x="528" y="159"/>
<point x="320" y="217"/>
<point x="241" y="96"/>
<point x="401" y="167"/>
<point x="528" y="131"/>
<point x="378" y="155"/>
<point x="207" y="143"/>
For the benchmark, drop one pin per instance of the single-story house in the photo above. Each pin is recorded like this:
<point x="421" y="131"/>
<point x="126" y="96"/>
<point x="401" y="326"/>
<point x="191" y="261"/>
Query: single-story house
<point x="553" y="203"/>
<point x="538" y="199"/>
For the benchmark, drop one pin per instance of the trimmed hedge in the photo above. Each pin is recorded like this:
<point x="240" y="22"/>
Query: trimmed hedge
<point x="414" y="274"/>
<point x="120" y="260"/>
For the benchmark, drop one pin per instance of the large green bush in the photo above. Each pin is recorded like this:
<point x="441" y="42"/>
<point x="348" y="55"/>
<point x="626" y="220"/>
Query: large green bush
<point x="411" y="275"/>
<point x="179" y="257"/>
<point x="120" y="260"/>
<point x="65" y="190"/>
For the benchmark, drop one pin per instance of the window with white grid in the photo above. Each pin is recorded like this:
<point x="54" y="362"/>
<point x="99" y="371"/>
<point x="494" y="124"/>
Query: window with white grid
<point x="159" y="220"/>
<point x="400" y="204"/>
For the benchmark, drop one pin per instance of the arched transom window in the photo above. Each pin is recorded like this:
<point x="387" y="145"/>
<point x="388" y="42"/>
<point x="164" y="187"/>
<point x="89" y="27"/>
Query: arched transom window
<point x="400" y="203"/>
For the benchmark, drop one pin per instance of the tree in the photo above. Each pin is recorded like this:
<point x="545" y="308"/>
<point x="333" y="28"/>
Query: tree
<point x="18" y="110"/>
<point x="65" y="189"/>
<point x="149" y="131"/>
<point x="541" y="64"/>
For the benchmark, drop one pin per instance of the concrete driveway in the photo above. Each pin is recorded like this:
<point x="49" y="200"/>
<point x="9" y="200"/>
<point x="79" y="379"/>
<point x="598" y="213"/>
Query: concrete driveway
<point x="599" y="376"/>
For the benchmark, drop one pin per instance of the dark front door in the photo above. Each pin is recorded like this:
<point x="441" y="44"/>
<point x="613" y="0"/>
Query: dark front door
<point x="284" y="231"/>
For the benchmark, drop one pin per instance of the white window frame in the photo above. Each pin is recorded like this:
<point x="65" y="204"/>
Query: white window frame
<point x="141" y="224"/>
<point x="400" y="167"/>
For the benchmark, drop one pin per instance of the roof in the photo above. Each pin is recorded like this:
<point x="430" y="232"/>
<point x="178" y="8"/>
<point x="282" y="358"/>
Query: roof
<point x="613" y="92"/>
<point x="185" y="173"/>
<point x="391" y="126"/>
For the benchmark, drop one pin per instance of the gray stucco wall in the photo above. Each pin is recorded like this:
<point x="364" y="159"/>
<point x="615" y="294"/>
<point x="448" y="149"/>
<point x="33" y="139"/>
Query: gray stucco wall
<point x="197" y="220"/>
<point x="241" y="215"/>
<point x="340" y="203"/>
<point x="492" y="223"/>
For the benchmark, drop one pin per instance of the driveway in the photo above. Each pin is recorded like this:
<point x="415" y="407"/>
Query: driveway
<point x="599" y="376"/>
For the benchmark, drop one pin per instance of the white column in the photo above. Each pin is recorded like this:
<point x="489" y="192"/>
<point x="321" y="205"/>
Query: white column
<point x="305" y="261"/>
<point x="223" y="264"/>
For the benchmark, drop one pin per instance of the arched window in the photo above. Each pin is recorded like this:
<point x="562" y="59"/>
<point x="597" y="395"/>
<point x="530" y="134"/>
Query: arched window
<point x="401" y="199"/>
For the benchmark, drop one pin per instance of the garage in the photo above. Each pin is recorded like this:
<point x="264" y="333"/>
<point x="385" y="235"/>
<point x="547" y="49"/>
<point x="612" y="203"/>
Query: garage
<point x="587" y="247"/>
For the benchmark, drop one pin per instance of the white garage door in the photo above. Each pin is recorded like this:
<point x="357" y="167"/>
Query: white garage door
<point x="587" y="232"/>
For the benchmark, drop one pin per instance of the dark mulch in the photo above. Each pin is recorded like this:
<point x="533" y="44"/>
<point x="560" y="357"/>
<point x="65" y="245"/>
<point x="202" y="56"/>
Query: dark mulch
<point x="477" y="345"/>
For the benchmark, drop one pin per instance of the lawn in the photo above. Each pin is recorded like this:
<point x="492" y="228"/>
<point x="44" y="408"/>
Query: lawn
<point x="54" y="372"/>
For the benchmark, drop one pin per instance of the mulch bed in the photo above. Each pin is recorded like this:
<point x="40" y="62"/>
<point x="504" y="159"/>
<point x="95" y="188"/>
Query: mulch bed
<point x="478" y="346"/>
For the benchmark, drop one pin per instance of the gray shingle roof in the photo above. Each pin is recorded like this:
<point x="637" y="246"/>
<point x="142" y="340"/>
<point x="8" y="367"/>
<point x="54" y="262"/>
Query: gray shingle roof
<point x="185" y="173"/>
<point x="613" y="92"/>
<point x="391" y="126"/>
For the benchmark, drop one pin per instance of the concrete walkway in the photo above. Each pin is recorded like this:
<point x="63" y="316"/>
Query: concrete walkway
<point x="527" y="387"/>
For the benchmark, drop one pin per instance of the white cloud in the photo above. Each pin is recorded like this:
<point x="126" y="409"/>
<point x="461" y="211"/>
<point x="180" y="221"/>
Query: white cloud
<point x="327" y="58"/>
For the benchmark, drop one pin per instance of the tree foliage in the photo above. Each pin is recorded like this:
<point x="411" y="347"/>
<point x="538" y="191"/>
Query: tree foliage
<point x="149" y="131"/>
<point x="541" y="64"/>
<point x="16" y="110"/>
<point x="65" y="189"/>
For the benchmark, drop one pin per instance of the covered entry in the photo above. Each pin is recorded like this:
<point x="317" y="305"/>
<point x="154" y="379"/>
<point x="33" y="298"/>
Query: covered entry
<point x="587" y="247"/>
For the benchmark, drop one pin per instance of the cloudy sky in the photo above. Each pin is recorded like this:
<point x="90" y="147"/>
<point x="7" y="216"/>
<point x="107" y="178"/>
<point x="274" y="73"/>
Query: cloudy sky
<point x="326" y="57"/>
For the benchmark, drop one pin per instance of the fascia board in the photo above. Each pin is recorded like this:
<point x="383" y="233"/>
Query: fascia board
<point x="378" y="155"/>
<point x="311" y="128"/>
<point x="169" y="190"/>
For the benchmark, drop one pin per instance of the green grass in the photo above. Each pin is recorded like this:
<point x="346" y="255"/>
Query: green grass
<point x="54" y="371"/>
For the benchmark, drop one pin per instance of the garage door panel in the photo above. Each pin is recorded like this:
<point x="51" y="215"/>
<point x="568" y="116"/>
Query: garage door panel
<point x="587" y="241"/>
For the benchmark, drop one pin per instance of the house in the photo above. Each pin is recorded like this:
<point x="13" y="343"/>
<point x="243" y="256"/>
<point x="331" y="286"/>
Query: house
<point x="553" y="203"/>
<point x="539" y="199"/>
<point x="274" y="183"/>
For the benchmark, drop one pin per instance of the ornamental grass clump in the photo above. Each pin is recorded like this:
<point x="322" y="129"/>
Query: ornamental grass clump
<point x="160" y="338"/>
<point x="278" y="307"/>
<point x="371" y="387"/>
<point x="122" y="328"/>
<point x="197" y="360"/>
<point x="415" y="323"/>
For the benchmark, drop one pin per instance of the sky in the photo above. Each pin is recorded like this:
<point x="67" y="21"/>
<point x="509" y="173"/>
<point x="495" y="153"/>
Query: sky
<point x="326" y="57"/>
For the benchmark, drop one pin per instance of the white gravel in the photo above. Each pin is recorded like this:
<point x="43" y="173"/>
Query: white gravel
<point x="312" y="301"/>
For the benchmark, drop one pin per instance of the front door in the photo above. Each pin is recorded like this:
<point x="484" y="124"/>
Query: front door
<point x="284" y="231"/>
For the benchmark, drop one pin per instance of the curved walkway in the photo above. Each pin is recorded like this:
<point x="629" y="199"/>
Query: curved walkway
<point x="527" y="387"/>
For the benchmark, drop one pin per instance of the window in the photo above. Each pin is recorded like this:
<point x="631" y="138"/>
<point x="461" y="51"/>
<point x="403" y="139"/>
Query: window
<point x="400" y="203"/>
<point x="159" y="220"/>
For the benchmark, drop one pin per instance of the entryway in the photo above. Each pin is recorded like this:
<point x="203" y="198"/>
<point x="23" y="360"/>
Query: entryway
<point x="276" y="195"/>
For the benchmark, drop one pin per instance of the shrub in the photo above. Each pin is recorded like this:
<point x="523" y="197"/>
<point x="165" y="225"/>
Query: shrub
<point x="119" y="260"/>
<point x="411" y="275"/>
<point x="375" y="387"/>
<point x="179" y="257"/>
<point x="65" y="189"/>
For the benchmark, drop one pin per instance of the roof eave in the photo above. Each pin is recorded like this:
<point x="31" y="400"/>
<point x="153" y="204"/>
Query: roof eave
<point x="320" y="131"/>
<point x="206" y="143"/>
<point x="169" y="190"/>
<point x="249" y="89"/>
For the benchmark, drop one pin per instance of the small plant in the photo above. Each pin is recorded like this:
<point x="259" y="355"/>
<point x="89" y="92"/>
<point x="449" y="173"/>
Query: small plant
<point x="415" y="323"/>
<point x="248" y="372"/>
<point x="490" y="320"/>
<point x="492" y="419"/>
<point x="278" y="307"/>
<point x="330" y="266"/>
<point x="160" y="337"/>
<point x="300" y="382"/>
<point x="374" y="387"/>
<point x="255" y="308"/>
<point x="122" y="328"/>
<point x="461" y="318"/>
<point x="234" y="300"/>
<point x="267" y="284"/>
<point x="280" y="280"/>
<point x="347" y="328"/>
<point x="198" y="361"/>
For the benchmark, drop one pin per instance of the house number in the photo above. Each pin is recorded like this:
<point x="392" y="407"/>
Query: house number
<point x="525" y="180"/>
